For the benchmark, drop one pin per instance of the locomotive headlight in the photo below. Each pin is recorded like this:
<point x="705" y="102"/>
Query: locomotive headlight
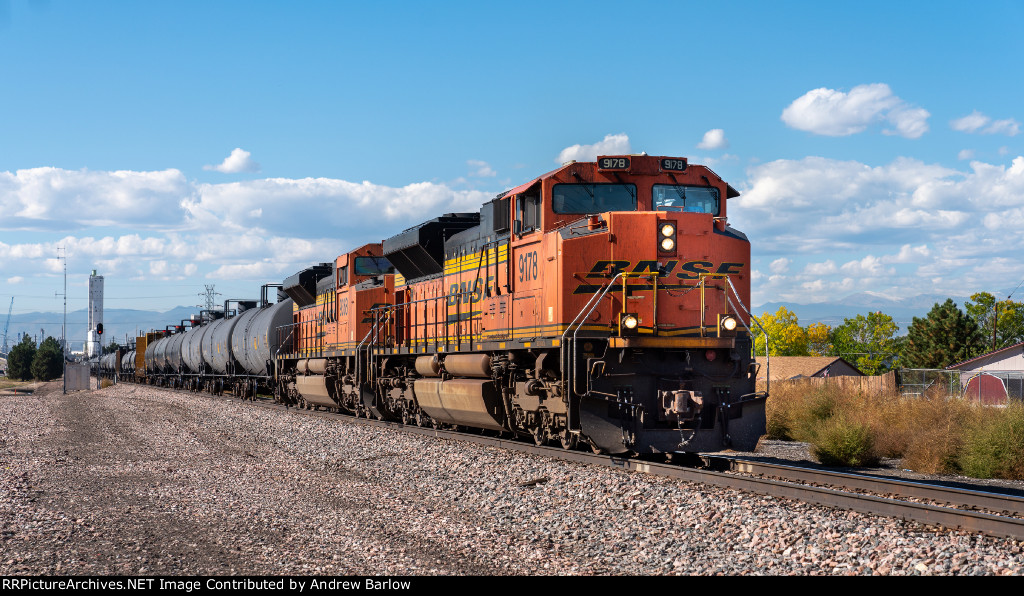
<point x="628" y="323"/>
<point x="666" y="237"/>
<point x="727" y="325"/>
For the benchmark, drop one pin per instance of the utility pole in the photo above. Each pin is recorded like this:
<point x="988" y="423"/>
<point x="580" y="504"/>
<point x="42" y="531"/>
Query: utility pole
<point x="995" y="323"/>
<point x="64" y="325"/>
<point x="7" y="326"/>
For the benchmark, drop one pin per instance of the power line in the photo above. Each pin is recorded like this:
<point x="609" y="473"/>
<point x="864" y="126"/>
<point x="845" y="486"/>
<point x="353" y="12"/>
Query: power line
<point x="1015" y="289"/>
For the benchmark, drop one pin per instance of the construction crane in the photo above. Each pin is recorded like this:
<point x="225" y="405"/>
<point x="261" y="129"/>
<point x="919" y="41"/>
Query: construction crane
<point x="7" y="326"/>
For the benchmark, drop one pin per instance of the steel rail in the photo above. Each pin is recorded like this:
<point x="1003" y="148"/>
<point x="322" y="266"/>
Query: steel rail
<point x="929" y="515"/>
<point x="993" y="501"/>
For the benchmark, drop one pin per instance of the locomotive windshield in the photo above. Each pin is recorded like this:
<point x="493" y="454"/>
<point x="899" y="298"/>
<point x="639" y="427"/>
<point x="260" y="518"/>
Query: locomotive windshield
<point x="677" y="197"/>
<point x="593" y="198"/>
<point x="373" y="266"/>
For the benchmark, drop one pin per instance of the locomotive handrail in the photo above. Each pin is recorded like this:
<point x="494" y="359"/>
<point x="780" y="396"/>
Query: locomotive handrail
<point x="281" y="343"/>
<point x="458" y="295"/>
<point x="625" y="278"/>
<point x="359" y="364"/>
<point x="625" y="292"/>
<point x="703" y="302"/>
<point x="767" y="358"/>
<point x="567" y="366"/>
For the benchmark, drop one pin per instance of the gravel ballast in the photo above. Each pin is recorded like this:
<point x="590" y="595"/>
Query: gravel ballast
<point x="132" y="480"/>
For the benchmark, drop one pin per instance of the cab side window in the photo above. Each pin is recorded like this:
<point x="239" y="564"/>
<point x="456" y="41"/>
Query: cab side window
<point x="528" y="212"/>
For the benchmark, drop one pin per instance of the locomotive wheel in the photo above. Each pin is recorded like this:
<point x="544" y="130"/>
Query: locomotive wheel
<point x="538" y="436"/>
<point x="567" y="439"/>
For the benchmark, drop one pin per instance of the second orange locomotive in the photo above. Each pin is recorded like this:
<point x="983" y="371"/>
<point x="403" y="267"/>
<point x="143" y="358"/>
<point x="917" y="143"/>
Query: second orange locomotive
<point x="604" y="303"/>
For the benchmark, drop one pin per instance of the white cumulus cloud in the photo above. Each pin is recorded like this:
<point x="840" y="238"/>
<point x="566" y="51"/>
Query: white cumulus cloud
<point x="610" y="145"/>
<point x="978" y="123"/>
<point x="324" y="207"/>
<point x="836" y="113"/>
<point x="239" y="161"/>
<point x="57" y="199"/>
<point x="909" y="254"/>
<point x="714" y="139"/>
<point x="898" y="225"/>
<point x="780" y="265"/>
<point x="826" y="268"/>
<point x="481" y="169"/>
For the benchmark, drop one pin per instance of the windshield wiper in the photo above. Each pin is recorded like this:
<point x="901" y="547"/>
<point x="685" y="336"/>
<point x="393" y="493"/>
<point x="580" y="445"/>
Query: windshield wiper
<point x="682" y="193"/>
<point x="577" y="176"/>
<point x="632" y="194"/>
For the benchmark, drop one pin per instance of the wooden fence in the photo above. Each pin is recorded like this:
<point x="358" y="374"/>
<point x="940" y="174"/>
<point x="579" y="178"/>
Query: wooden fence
<point x="867" y="385"/>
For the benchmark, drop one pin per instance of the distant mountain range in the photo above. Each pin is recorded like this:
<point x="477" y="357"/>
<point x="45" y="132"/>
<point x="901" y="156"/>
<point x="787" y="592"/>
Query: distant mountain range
<point x="119" y="324"/>
<point x="902" y="311"/>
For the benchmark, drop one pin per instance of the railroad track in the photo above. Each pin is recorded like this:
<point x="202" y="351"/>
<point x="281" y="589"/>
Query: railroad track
<point x="970" y="510"/>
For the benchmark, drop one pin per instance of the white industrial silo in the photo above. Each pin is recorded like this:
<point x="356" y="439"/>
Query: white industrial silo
<point x="95" y="313"/>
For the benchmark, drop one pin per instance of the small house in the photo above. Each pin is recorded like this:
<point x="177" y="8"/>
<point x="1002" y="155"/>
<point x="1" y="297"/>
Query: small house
<point x="784" y="368"/>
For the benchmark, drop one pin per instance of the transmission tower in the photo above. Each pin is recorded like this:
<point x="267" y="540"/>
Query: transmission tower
<point x="210" y="296"/>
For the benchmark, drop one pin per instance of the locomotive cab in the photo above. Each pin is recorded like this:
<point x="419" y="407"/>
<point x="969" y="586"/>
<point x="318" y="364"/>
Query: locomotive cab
<point x="628" y="264"/>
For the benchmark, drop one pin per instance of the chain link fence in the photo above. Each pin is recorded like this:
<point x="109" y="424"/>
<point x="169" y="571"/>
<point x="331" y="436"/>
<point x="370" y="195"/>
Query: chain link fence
<point x="986" y="386"/>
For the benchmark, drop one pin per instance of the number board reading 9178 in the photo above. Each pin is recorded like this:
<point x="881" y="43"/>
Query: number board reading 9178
<point x="613" y="163"/>
<point x="672" y="164"/>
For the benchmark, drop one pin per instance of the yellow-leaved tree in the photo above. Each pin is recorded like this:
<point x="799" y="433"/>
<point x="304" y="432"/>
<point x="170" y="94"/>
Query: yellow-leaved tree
<point x="819" y="339"/>
<point x="785" y="335"/>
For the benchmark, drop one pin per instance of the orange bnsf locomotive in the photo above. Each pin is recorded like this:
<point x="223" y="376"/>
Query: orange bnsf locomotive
<point x="602" y="304"/>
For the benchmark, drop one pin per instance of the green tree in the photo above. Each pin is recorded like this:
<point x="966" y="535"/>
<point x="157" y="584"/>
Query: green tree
<point x="112" y="347"/>
<point x="48" y="363"/>
<point x="946" y="336"/>
<point x="983" y="307"/>
<point x="785" y="335"/>
<point x="869" y="342"/>
<point x="19" y="361"/>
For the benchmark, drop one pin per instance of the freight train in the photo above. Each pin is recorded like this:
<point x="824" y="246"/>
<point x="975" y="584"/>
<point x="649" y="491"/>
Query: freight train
<point x="604" y="304"/>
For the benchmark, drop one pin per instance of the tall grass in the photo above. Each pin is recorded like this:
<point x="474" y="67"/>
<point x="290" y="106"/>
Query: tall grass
<point x="993" y="446"/>
<point x="931" y="433"/>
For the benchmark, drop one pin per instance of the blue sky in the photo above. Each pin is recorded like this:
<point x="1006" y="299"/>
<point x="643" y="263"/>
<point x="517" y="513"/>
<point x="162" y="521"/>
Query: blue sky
<point x="171" y="145"/>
